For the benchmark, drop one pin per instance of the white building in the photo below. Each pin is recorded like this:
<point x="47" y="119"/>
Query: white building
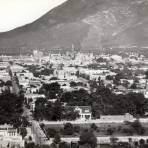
<point x="84" y="112"/>
<point x="126" y="117"/>
<point x="9" y="136"/>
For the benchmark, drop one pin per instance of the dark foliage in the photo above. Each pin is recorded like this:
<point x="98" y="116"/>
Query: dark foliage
<point x="52" y="91"/>
<point x="87" y="137"/>
<point x="11" y="108"/>
<point x="68" y="129"/>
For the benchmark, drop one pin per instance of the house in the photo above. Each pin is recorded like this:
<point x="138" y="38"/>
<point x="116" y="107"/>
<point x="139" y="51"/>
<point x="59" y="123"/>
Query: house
<point x="84" y="112"/>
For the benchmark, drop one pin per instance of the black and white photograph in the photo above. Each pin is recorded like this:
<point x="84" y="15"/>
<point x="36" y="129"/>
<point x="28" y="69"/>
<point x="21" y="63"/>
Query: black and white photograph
<point x="73" y="73"/>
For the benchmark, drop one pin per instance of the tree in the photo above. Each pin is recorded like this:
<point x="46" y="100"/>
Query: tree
<point x="44" y="146"/>
<point x="77" y="129"/>
<point x="97" y="108"/>
<point x="25" y="122"/>
<point x="78" y="74"/>
<point x="70" y="114"/>
<point x="94" y="126"/>
<point x="76" y="98"/>
<point x="108" y="77"/>
<point x="73" y="84"/>
<point x="39" y="112"/>
<point x="11" y="109"/>
<point x="57" y="139"/>
<point x="47" y="110"/>
<point x="136" y="144"/>
<point x="57" y="111"/>
<point x="51" y="90"/>
<point x="110" y="131"/>
<point x="54" y="78"/>
<point x="23" y="132"/>
<point x="30" y="145"/>
<point x="146" y="74"/>
<point x="142" y="141"/>
<point x="100" y="60"/>
<point x="51" y="132"/>
<point x="8" y="83"/>
<point x="46" y="72"/>
<point x="2" y="83"/>
<point x="136" y="125"/>
<point x="64" y="145"/>
<point x="134" y="86"/>
<point x="118" y="77"/>
<point x="53" y="145"/>
<point x="42" y="125"/>
<point x="68" y="129"/>
<point x="113" y="140"/>
<point x="138" y="100"/>
<point x="93" y="84"/>
<point x="88" y="138"/>
<point x="128" y="131"/>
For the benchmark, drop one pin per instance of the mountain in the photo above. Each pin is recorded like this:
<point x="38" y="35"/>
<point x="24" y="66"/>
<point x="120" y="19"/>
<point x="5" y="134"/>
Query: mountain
<point x="88" y="24"/>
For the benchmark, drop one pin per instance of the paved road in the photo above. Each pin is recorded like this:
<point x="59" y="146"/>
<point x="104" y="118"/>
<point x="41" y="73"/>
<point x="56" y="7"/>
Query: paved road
<point x="39" y="136"/>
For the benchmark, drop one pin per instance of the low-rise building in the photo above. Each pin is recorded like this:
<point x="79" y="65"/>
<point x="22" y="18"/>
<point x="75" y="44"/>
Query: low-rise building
<point x="84" y="112"/>
<point x="126" y="117"/>
<point x="10" y="137"/>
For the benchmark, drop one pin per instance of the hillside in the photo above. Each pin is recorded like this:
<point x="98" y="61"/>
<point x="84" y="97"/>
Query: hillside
<point x="88" y="24"/>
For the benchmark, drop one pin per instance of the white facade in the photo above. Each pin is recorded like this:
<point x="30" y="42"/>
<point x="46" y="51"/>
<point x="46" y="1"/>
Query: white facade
<point x="84" y="112"/>
<point x="9" y="136"/>
<point x="126" y="117"/>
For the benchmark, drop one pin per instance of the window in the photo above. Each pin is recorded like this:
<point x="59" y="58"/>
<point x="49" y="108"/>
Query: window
<point x="87" y="116"/>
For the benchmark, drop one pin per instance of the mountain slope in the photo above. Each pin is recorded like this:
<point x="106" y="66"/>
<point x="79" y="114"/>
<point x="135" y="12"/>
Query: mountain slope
<point x="88" y="24"/>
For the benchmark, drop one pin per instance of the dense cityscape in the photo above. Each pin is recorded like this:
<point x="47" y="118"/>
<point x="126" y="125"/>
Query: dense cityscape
<point x="73" y="74"/>
<point x="74" y="99"/>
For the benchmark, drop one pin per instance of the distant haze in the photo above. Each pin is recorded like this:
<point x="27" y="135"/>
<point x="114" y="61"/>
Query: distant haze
<point x="15" y="13"/>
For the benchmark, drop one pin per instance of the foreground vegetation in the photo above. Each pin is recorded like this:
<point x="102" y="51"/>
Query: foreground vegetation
<point x="11" y="109"/>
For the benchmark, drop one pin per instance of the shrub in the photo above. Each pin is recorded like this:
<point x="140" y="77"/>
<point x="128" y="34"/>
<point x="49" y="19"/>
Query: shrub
<point x="23" y="132"/>
<point x="94" y="126"/>
<point x="138" y="128"/>
<point x="51" y="132"/>
<point x="42" y="125"/>
<point x="136" y="143"/>
<point x="127" y="123"/>
<point x="113" y="140"/>
<point x="119" y="128"/>
<point x="57" y="139"/>
<point x="88" y="138"/>
<point x="68" y="129"/>
<point x="127" y="131"/>
<point x="142" y="141"/>
<point x="110" y="131"/>
<point x="64" y="145"/>
<point x="77" y="129"/>
<point x="98" y="130"/>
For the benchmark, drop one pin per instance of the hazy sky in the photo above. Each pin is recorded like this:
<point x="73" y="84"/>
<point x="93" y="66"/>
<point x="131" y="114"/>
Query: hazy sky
<point x="14" y="13"/>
